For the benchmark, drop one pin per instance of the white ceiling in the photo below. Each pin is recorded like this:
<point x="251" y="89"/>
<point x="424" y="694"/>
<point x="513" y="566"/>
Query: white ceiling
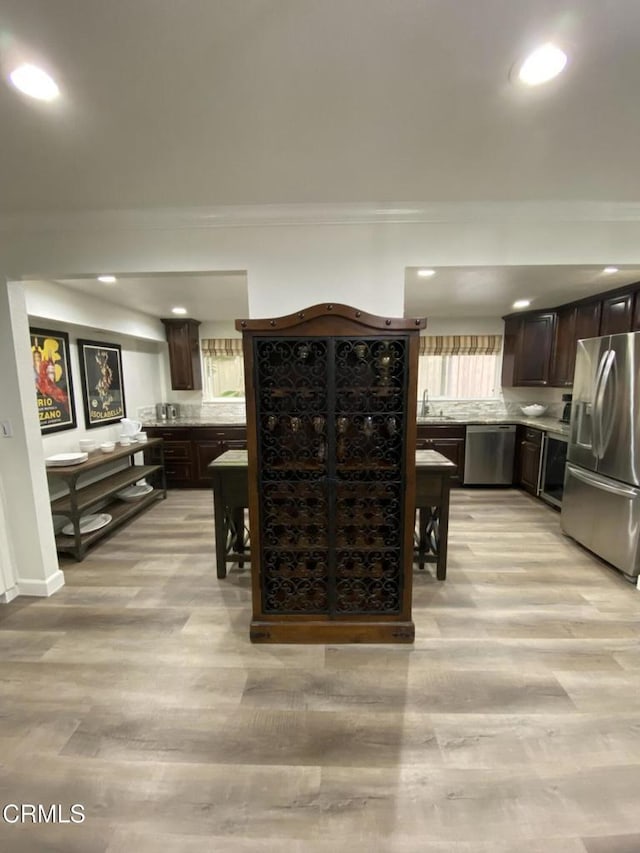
<point x="171" y="105"/>
<point x="491" y="291"/>
<point x="216" y="296"/>
<point x="214" y="102"/>
<point x="452" y="291"/>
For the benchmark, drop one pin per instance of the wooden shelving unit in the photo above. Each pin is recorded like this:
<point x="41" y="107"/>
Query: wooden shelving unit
<point x="85" y="494"/>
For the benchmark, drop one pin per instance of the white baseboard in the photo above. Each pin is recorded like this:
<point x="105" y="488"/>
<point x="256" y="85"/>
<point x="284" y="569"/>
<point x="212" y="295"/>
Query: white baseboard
<point x="53" y="583"/>
<point x="9" y="594"/>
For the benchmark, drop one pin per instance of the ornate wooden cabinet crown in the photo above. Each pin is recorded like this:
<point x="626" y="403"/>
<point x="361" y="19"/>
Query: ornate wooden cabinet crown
<point x="331" y="421"/>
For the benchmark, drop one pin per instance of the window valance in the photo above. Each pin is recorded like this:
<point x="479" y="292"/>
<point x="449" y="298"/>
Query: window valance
<point x="429" y="345"/>
<point x="460" y="344"/>
<point x="221" y="346"/>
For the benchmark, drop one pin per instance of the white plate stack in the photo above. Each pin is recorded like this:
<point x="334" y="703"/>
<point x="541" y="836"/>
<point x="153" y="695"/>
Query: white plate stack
<point x="62" y="459"/>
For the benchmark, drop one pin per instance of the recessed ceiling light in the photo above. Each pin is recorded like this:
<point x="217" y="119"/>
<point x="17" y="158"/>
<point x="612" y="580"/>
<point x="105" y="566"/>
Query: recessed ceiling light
<point x="35" y="82"/>
<point x="426" y="273"/>
<point x="107" y="279"/>
<point x="521" y="303"/>
<point x="543" y="64"/>
<point x="179" y="310"/>
<point x="609" y="270"/>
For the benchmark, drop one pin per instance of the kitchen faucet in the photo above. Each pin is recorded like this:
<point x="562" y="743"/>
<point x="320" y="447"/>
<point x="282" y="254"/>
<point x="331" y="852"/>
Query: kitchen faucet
<point x="425" y="402"/>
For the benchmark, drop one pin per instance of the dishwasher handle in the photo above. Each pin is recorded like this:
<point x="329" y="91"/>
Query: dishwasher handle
<point x="476" y="428"/>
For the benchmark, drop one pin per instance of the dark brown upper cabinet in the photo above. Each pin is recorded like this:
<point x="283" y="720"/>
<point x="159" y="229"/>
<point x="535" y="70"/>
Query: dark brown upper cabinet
<point x="540" y="347"/>
<point x="617" y="314"/>
<point x="573" y="322"/>
<point x="588" y="320"/>
<point x="563" y="356"/>
<point x="527" y="349"/>
<point x="635" y="325"/>
<point x="184" y="354"/>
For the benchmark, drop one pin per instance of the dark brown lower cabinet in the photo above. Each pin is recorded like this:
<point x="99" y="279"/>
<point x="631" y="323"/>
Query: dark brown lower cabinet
<point x="188" y="451"/>
<point x="528" y="451"/>
<point x="448" y="440"/>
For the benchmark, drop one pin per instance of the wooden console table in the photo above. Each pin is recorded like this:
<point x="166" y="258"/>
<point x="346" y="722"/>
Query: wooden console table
<point x="91" y="488"/>
<point x="230" y="499"/>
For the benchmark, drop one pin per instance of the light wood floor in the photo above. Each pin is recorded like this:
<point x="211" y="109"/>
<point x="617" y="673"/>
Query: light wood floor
<point x="512" y="724"/>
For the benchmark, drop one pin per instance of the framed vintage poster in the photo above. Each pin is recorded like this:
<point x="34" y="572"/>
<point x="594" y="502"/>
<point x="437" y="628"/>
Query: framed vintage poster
<point x="102" y="386"/>
<point x="52" y="376"/>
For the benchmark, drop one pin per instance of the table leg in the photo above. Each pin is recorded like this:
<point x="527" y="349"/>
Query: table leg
<point x="443" y="531"/>
<point x="423" y="517"/>
<point x="220" y="529"/>
<point x="237" y="520"/>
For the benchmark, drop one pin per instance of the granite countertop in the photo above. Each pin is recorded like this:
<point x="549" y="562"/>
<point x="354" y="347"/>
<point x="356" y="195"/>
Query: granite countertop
<point x="217" y="421"/>
<point x="424" y="459"/>
<point x="546" y="424"/>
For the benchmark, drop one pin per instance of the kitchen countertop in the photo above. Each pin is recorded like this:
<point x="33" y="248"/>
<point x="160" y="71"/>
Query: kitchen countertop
<point x="545" y="424"/>
<point x="427" y="460"/>
<point x="194" y="422"/>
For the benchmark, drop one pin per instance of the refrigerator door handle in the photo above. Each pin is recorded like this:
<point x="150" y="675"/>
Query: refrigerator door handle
<point x="597" y="419"/>
<point x="607" y="372"/>
<point x="600" y="483"/>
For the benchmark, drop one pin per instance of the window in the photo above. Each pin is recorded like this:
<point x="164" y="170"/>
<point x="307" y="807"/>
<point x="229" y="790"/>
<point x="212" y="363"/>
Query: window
<point x="222" y="368"/>
<point x="460" y="367"/>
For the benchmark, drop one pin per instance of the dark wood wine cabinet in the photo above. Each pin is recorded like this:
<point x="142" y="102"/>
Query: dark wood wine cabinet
<point x="331" y="431"/>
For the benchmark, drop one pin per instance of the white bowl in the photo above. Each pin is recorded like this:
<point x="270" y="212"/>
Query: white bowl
<point x="108" y="446"/>
<point x="87" y="445"/>
<point x="534" y="410"/>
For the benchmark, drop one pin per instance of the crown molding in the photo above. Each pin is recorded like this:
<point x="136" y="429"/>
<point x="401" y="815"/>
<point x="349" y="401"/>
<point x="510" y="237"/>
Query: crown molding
<point x="289" y="215"/>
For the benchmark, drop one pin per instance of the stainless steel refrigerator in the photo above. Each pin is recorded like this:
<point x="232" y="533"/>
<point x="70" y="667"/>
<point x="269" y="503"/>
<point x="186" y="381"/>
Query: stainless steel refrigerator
<point x="601" y="501"/>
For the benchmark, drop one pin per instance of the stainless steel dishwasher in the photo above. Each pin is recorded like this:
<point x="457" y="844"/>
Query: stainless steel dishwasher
<point x="489" y="455"/>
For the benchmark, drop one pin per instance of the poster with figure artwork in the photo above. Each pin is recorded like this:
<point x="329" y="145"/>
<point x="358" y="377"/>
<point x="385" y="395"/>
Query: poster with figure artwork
<point x="103" y="390"/>
<point x="52" y="378"/>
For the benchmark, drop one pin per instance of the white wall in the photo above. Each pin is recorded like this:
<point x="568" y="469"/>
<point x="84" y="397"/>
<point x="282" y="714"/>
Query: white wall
<point x="29" y="558"/>
<point x="219" y="330"/>
<point x="52" y="301"/>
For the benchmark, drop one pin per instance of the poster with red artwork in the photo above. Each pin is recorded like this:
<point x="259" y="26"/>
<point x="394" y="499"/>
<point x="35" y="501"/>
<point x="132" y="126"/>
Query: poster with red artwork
<point x="52" y="378"/>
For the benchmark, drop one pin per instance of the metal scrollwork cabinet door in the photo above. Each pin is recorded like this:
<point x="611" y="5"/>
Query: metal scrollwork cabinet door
<point x="331" y="429"/>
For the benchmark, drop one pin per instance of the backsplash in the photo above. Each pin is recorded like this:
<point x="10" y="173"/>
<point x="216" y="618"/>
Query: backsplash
<point x="508" y="404"/>
<point x="223" y="412"/>
<point x="235" y="412"/>
<point x="472" y="409"/>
